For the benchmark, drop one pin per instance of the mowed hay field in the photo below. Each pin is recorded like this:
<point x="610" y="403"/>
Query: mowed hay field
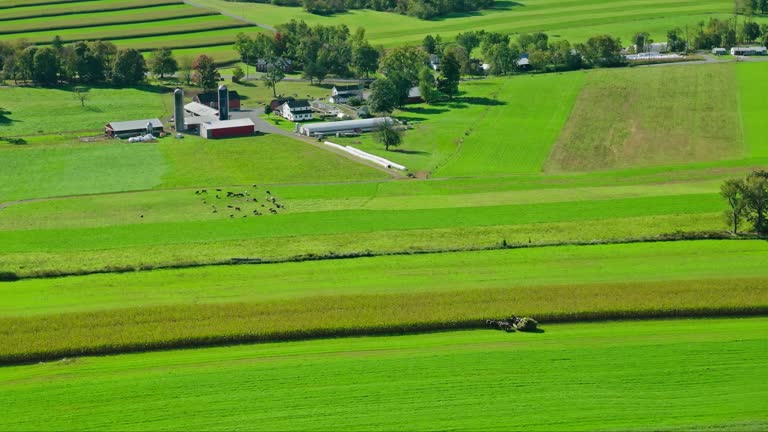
<point x="653" y="116"/>
<point x="666" y="375"/>
<point x="140" y="24"/>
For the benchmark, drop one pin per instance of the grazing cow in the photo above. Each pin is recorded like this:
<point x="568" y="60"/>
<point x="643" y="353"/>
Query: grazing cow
<point x="269" y="193"/>
<point x="229" y="206"/>
<point x="218" y="190"/>
<point x="217" y="196"/>
<point x="197" y="192"/>
<point x="254" y="186"/>
<point x="230" y="194"/>
<point x="215" y="211"/>
<point x="231" y="215"/>
<point x="205" y="191"/>
<point x="237" y="208"/>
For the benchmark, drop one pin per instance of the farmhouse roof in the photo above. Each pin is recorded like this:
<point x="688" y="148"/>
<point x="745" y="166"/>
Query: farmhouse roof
<point x="298" y="103"/>
<point x="208" y="97"/>
<point x="347" y="88"/>
<point x="134" y="125"/>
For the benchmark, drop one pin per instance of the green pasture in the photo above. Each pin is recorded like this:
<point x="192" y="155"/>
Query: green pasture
<point x="665" y="375"/>
<point x="243" y="225"/>
<point x="497" y="126"/>
<point x="447" y="272"/>
<point x="124" y="31"/>
<point x="37" y="111"/>
<point x="169" y="205"/>
<point x="573" y="20"/>
<point x="752" y="106"/>
<point x="57" y="170"/>
<point x="36" y="9"/>
<point x="74" y="261"/>
<point x="146" y="14"/>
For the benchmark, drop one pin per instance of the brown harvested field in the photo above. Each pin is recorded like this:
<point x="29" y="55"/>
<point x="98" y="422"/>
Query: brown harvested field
<point x="651" y="116"/>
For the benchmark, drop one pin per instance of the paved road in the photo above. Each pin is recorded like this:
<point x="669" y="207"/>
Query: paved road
<point x="264" y="26"/>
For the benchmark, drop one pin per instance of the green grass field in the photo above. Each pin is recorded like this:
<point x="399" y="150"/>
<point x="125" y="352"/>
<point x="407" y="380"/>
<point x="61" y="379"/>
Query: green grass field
<point x="666" y="375"/>
<point x="573" y="20"/>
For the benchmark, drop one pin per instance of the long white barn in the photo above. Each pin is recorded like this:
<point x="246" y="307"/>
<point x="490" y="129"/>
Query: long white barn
<point x="348" y="126"/>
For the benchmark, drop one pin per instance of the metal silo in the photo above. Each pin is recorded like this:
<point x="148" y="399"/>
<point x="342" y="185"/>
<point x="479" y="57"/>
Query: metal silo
<point x="178" y="109"/>
<point x="223" y="103"/>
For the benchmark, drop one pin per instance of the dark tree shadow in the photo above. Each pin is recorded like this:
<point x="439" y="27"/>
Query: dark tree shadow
<point x="424" y="110"/>
<point x="413" y="152"/>
<point x="411" y="119"/>
<point x="14" y="141"/>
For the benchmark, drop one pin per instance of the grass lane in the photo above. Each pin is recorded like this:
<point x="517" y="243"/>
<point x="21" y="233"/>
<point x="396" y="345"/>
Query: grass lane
<point x="654" y="375"/>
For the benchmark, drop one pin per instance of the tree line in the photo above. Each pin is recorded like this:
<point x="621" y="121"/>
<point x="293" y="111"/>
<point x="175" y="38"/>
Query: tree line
<point x="727" y="33"/>
<point x="96" y="63"/>
<point x="424" y="9"/>
<point x="747" y="201"/>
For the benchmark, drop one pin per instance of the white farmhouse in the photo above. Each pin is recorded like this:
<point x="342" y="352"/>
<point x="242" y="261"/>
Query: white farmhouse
<point x="296" y="110"/>
<point x="341" y="94"/>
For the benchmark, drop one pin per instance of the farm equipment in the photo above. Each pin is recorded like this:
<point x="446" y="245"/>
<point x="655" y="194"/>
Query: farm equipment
<point x="513" y="323"/>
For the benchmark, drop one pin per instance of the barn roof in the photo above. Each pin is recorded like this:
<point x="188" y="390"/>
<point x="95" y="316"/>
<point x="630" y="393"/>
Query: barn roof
<point x="134" y="125"/>
<point x="226" y="124"/>
<point x="201" y="110"/>
<point x="208" y="97"/>
<point x="344" y="125"/>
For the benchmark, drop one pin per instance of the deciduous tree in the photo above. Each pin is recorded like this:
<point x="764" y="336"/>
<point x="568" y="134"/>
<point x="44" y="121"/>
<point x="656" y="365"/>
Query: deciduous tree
<point x="383" y="97"/>
<point x="734" y="192"/>
<point x="130" y="68"/>
<point x="388" y="134"/>
<point x="162" y="62"/>
<point x="205" y="75"/>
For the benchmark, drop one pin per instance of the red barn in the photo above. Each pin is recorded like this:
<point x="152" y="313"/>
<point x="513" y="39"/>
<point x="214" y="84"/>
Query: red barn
<point x="227" y="128"/>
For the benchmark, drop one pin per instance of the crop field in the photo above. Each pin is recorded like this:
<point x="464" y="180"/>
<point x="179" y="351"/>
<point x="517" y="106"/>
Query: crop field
<point x="140" y="24"/>
<point x="70" y="8"/>
<point x="127" y="312"/>
<point x="573" y="20"/>
<point x="148" y="14"/>
<point x="653" y="375"/>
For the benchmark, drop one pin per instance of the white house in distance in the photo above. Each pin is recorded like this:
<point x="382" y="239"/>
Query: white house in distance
<point x="341" y="94"/>
<point x="296" y="110"/>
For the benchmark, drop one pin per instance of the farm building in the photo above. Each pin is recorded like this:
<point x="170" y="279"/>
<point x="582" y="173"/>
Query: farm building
<point x="296" y="110"/>
<point x="414" y="96"/>
<point x="262" y="65"/>
<point x="199" y="110"/>
<point x="128" y="129"/>
<point x="434" y="61"/>
<point x="749" y="51"/>
<point x="227" y="128"/>
<point x="719" y="51"/>
<point x="342" y="127"/>
<point x="211" y="99"/>
<point x="341" y="94"/>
